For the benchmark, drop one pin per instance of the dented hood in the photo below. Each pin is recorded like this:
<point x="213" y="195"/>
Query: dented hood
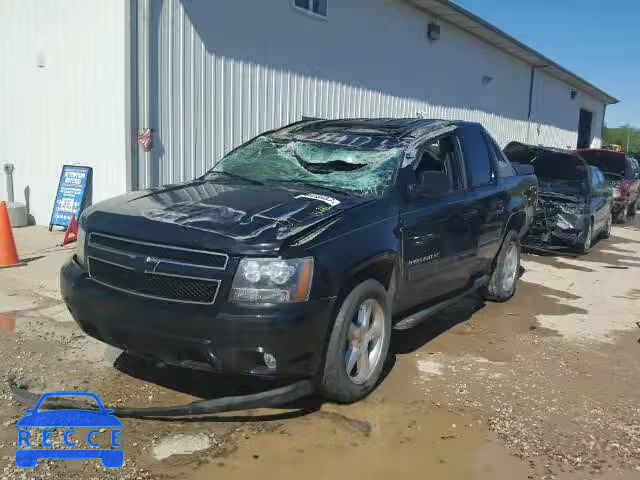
<point x="204" y="214"/>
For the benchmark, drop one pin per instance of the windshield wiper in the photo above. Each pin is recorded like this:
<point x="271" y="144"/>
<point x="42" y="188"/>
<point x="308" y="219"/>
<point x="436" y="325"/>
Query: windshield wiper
<point x="313" y="185"/>
<point x="233" y="175"/>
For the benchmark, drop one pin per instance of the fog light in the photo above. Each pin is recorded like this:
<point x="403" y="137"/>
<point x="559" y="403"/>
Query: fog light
<point x="270" y="361"/>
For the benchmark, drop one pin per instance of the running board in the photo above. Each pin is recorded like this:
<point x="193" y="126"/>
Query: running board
<point x="419" y="317"/>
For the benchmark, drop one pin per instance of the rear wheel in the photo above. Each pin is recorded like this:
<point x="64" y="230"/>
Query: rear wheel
<point x="584" y="244"/>
<point x="504" y="278"/>
<point x="621" y="216"/>
<point x="358" y="345"/>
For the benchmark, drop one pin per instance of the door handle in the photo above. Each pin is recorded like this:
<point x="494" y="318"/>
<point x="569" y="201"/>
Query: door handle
<point x="422" y="239"/>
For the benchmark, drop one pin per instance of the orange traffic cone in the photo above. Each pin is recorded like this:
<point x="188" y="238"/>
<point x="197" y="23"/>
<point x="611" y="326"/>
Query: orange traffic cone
<point x="7" y="322"/>
<point x="8" y="252"/>
<point x="71" y="235"/>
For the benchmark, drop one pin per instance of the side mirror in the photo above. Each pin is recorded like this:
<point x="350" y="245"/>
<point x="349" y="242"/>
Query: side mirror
<point x="523" y="169"/>
<point x="431" y="184"/>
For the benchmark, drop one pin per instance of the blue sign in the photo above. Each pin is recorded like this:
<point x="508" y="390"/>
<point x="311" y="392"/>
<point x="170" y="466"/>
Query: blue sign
<point x="35" y="434"/>
<point x="71" y="196"/>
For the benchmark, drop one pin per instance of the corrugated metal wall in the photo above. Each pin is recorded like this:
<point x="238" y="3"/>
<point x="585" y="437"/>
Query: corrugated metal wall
<point x="553" y="104"/>
<point x="224" y="71"/>
<point x="62" y="95"/>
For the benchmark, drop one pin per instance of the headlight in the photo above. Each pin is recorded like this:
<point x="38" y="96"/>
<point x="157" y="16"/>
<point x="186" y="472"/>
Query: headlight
<point x="616" y="192"/>
<point x="564" y="223"/>
<point x="81" y="245"/>
<point x="272" y="280"/>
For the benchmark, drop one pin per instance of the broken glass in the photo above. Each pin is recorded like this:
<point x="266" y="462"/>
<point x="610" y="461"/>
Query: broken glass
<point x="358" y="171"/>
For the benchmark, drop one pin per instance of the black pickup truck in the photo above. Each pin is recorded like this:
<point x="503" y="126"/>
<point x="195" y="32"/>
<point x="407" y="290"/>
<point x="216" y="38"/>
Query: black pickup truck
<point x="298" y="252"/>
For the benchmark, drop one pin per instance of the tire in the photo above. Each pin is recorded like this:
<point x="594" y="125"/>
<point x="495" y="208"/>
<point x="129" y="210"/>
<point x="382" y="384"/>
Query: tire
<point x="621" y="216"/>
<point x="631" y="211"/>
<point x="347" y="344"/>
<point x="504" y="277"/>
<point x="584" y="244"/>
<point x="606" y="233"/>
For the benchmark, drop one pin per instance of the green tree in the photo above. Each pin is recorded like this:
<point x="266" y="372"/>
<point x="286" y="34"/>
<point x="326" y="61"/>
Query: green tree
<point x="619" y="136"/>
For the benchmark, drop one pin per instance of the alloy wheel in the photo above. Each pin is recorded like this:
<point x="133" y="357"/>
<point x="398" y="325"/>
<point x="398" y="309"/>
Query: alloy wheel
<point x="587" y="240"/>
<point x="365" y="339"/>
<point x="510" y="268"/>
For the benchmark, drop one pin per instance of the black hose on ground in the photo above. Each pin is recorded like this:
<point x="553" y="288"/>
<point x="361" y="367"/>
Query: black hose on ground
<point x="564" y="252"/>
<point x="269" y="398"/>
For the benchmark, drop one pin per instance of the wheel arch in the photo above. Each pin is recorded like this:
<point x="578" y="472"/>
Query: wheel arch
<point x="384" y="267"/>
<point x="380" y="267"/>
<point x="517" y="221"/>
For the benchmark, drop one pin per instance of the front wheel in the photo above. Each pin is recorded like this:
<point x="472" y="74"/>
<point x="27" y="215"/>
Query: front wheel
<point x="606" y="233"/>
<point x="620" y="216"/>
<point x="631" y="212"/>
<point x="358" y="345"/>
<point x="587" y="237"/>
<point x="504" y="278"/>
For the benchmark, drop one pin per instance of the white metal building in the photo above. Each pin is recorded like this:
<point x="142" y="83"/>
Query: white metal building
<point x="80" y="78"/>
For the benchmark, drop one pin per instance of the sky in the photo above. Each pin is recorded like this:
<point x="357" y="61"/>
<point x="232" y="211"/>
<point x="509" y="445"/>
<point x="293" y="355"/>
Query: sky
<point x="599" y="41"/>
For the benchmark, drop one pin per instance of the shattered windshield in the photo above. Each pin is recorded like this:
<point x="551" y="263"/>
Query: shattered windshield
<point x="367" y="172"/>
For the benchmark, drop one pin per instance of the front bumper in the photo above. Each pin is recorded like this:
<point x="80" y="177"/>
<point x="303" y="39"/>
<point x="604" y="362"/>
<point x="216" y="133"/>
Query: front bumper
<point x="555" y="240"/>
<point x="222" y="337"/>
<point x="546" y="232"/>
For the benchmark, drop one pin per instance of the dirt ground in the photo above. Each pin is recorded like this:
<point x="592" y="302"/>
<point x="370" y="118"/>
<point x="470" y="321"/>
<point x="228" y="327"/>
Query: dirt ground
<point x="544" y="386"/>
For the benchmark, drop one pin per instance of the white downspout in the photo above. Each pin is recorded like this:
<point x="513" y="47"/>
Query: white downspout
<point x="144" y="87"/>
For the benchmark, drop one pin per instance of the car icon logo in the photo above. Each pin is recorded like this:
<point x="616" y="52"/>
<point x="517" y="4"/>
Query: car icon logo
<point x="28" y="452"/>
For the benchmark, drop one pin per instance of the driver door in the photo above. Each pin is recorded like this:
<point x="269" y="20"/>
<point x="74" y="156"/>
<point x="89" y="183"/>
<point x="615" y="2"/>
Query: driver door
<point x="437" y="246"/>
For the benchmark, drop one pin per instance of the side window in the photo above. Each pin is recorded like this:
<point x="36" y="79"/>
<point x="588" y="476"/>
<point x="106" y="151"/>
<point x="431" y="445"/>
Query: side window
<point x="596" y="178"/>
<point x="629" y="167"/>
<point x="476" y="156"/>
<point x="635" y="168"/>
<point x="602" y="183"/>
<point x="316" y="7"/>
<point x="505" y="169"/>
<point x="441" y="155"/>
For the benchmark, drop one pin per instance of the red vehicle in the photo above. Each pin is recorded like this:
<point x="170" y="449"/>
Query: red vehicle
<point x="622" y="173"/>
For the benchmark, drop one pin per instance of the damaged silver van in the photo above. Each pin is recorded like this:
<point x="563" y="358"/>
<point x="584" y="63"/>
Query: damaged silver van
<point x="574" y="199"/>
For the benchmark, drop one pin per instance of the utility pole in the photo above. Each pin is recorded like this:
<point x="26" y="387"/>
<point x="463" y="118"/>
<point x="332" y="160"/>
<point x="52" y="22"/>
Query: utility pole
<point x="628" y="137"/>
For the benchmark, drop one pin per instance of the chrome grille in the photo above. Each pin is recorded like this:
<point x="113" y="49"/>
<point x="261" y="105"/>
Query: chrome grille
<point x="157" y="271"/>
<point x="164" y="287"/>
<point x="167" y="253"/>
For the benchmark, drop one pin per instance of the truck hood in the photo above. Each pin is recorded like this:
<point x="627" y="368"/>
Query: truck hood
<point x="218" y="215"/>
